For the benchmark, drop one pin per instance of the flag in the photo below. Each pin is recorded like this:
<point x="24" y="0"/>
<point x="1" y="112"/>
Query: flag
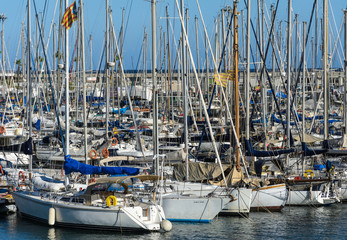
<point x="224" y="78"/>
<point x="70" y="16"/>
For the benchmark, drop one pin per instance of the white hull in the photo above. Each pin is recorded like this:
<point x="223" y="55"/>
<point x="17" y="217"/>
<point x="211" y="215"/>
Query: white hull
<point x="90" y="217"/>
<point x="192" y="208"/>
<point x="272" y="197"/>
<point x="241" y="197"/>
<point x="308" y="196"/>
<point x="241" y="203"/>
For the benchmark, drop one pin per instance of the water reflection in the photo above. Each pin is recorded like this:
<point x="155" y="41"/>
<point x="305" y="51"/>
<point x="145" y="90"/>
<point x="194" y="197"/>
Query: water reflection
<point x="51" y="234"/>
<point x="292" y="223"/>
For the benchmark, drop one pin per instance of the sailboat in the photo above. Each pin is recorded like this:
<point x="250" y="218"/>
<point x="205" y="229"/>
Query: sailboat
<point x="100" y="205"/>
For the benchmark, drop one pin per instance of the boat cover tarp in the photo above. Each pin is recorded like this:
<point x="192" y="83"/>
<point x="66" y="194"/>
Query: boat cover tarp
<point x="308" y="138"/>
<point x="211" y="172"/>
<point x="252" y="152"/>
<point x="197" y="171"/>
<point x="72" y="165"/>
<point x="25" y="147"/>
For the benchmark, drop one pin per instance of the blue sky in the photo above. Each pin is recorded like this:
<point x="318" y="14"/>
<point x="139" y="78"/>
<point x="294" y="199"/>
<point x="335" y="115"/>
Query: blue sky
<point x="137" y="17"/>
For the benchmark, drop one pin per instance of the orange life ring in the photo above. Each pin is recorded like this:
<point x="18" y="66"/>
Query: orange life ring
<point x="21" y="176"/>
<point x="93" y="154"/>
<point x="105" y="153"/>
<point x="2" y="129"/>
<point x="2" y="171"/>
<point x="114" y="141"/>
<point x="92" y="180"/>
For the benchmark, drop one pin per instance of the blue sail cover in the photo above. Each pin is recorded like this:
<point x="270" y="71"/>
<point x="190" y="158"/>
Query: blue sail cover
<point x="310" y="151"/>
<point x="72" y="165"/>
<point x="257" y="153"/>
<point x="120" y="111"/>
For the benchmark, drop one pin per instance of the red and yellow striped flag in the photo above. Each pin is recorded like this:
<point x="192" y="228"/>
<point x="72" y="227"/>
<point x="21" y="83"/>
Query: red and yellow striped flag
<point x="70" y="16"/>
<point x="224" y="78"/>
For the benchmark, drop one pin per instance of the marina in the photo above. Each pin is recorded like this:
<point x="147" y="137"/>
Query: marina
<point x="232" y="123"/>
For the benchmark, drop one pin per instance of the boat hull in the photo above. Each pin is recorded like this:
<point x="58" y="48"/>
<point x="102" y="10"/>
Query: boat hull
<point x="310" y="193"/>
<point x="82" y="216"/>
<point x="241" y="203"/>
<point x="193" y="208"/>
<point x="269" y="198"/>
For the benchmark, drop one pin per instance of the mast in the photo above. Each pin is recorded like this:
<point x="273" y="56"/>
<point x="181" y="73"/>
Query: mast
<point x="237" y="104"/>
<point x="273" y="52"/>
<point x="106" y="65"/>
<point x="325" y="71"/>
<point x="303" y="86"/>
<point x="170" y="99"/>
<point x="91" y="52"/>
<point x="263" y="80"/>
<point x="289" y="47"/>
<point x="54" y="57"/>
<point x="345" y="94"/>
<point x="30" y="90"/>
<point x="185" y="92"/>
<point x="197" y="59"/>
<point x="155" y="89"/>
<point x="85" y="124"/>
<point x="3" y="18"/>
<point x="248" y="49"/>
<point x="67" y="94"/>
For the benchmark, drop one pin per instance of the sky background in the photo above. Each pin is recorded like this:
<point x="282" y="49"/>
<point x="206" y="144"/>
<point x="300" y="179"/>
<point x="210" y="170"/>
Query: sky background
<point x="138" y="17"/>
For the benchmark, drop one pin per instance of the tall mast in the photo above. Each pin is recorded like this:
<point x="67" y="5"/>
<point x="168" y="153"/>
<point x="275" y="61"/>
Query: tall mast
<point x="30" y="90"/>
<point x="23" y="50"/>
<point x="303" y="86"/>
<point x="170" y="100"/>
<point x="325" y="71"/>
<point x="237" y="105"/>
<point x="273" y="51"/>
<point x="155" y="88"/>
<point x="106" y="65"/>
<point x="345" y="94"/>
<point x="54" y="57"/>
<point x="84" y="84"/>
<point x="248" y="39"/>
<point x="185" y="92"/>
<point x="289" y="47"/>
<point x="3" y="18"/>
<point x="67" y="94"/>
<point x="263" y="80"/>
<point x="91" y="52"/>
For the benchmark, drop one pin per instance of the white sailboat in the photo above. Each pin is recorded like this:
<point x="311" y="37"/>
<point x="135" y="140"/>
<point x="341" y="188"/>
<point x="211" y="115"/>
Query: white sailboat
<point x="100" y="206"/>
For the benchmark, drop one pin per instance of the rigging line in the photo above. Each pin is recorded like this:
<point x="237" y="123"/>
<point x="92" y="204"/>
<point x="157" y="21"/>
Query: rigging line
<point x="96" y="82"/>
<point x="137" y="67"/>
<point x="126" y="25"/>
<point x="338" y="40"/>
<point x="50" y="31"/>
<point x="302" y="55"/>
<point x="263" y="59"/>
<point x="215" y="85"/>
<point x="44" y="11"/>
<point x="50" y="81"/>
<point x="338" y="32"/>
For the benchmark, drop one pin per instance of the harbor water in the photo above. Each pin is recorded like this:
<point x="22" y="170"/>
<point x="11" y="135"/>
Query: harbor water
<point x="292" y="223"/>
